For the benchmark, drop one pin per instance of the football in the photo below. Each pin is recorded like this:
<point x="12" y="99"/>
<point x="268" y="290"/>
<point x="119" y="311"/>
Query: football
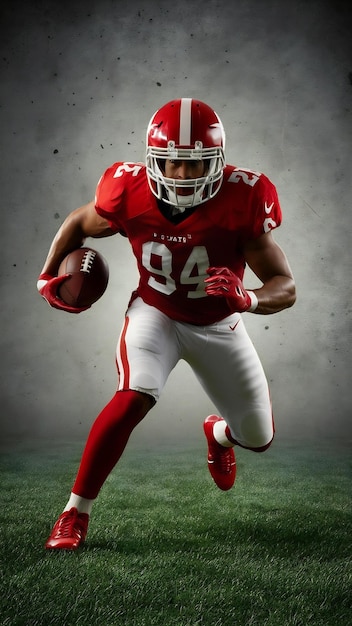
<point x="89" y="277"/>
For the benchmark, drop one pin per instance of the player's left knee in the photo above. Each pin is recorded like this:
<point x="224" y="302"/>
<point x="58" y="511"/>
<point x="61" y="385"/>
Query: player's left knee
<point x="263" y="448"/>
<point x="251" y="446"/>
<point x="257" y="432"/>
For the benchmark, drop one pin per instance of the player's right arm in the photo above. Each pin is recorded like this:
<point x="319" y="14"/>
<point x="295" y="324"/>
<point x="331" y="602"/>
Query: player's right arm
<point x="82" y="223"/>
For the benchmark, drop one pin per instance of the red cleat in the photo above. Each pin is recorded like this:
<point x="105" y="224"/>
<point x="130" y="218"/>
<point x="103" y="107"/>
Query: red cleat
<point x="69" y="531"/>
<point x="221" y="460"/>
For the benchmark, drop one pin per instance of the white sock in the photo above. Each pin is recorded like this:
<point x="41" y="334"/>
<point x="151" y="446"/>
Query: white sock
<point x="83" y="505"/>
<point x="220" y="436"/>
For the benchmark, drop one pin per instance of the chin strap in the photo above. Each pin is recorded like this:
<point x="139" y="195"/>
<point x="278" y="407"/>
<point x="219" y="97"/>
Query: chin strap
<point x="181" y="203"/>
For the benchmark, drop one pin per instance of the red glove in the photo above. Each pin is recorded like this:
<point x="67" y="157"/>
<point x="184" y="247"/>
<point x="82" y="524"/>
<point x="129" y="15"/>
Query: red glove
<point x="223" y="282"/>
<point x="48" y="285"/>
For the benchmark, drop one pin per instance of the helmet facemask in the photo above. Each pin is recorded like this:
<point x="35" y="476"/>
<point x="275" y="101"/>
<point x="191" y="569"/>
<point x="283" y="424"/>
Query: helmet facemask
<point x="203" y="188"/>
<point x="160" y="148"/>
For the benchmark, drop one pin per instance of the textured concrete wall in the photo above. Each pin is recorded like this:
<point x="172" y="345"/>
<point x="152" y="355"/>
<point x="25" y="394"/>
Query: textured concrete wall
<point x="79" y="82"/>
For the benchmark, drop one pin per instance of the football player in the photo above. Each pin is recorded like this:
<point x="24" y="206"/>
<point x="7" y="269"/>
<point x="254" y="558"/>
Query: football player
<point x="193" y="223"/>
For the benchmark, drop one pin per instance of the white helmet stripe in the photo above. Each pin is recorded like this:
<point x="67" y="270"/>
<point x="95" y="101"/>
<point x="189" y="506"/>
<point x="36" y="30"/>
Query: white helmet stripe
<point x="185" y="121"/>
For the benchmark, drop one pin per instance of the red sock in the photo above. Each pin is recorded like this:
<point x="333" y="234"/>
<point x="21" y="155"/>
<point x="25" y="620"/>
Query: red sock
<point x="108" y="438"/>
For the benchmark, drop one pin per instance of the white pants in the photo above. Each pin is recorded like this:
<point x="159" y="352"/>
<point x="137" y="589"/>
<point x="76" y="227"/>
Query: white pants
<point x="221" y="355"/>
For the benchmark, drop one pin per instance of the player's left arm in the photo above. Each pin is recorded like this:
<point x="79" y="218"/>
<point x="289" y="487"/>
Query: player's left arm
<point x="269" y="262"/>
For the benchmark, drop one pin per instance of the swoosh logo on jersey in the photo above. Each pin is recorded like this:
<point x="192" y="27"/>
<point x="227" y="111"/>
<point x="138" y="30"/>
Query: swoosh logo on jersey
<point x="233" y="327"/>
<point x="268" y="208"/>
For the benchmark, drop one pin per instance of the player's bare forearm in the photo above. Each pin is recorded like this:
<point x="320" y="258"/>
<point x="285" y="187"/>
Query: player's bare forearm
<point x="277" y="294"/>
<point x="68" y="237"/>
<point x="268" y="261"/>
<point x="80" y="224"/>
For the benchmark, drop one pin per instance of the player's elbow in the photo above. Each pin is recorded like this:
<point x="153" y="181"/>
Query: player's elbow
<point x="290" y="292"/>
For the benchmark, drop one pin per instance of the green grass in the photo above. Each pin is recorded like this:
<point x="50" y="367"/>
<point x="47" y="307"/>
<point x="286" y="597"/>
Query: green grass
<point x="166" y="547"/>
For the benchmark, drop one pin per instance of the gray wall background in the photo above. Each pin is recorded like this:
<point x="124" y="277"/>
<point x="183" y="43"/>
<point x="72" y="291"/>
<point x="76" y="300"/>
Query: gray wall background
<point x="79" y="82"/>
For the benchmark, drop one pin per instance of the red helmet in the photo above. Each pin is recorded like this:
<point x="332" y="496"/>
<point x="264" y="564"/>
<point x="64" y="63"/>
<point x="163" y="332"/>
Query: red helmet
<point x="185" y="129"/>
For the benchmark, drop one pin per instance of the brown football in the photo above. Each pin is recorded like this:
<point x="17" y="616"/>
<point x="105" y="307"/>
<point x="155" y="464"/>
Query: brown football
<point x="89" y="277"/>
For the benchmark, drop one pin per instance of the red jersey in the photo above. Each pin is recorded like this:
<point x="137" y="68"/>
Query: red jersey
<point x="173" y="258"/>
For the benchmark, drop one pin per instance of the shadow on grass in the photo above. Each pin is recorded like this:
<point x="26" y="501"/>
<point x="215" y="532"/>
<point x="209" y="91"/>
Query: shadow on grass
<point x="273" y="533"/>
